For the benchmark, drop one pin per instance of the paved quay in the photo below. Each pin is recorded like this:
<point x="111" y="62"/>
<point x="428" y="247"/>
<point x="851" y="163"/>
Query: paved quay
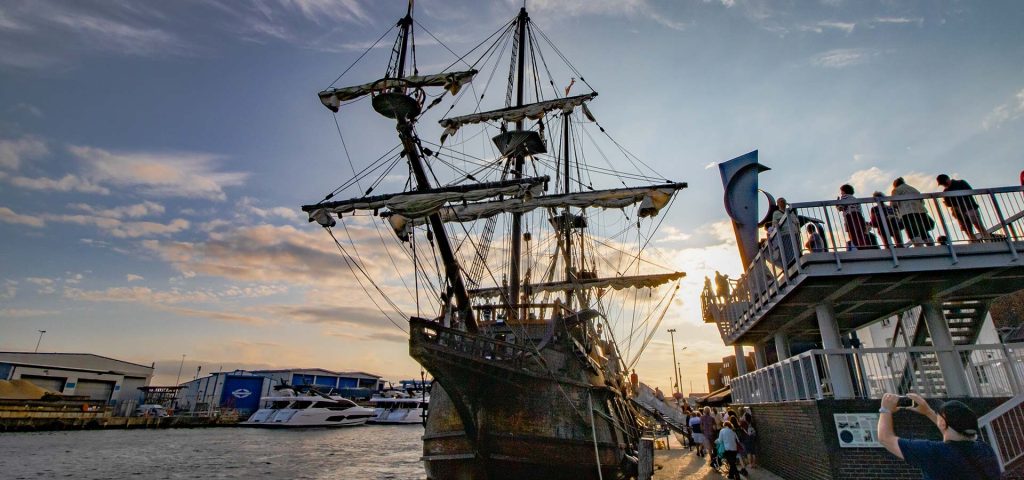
<point x="680" y="463"/>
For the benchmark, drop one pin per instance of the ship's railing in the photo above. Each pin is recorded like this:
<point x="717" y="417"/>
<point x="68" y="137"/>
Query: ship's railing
<point x="940" y="222"/>
<point x="991" y="371"/>
<point x="1003" y="427"/>
<point x="466" y="344"/>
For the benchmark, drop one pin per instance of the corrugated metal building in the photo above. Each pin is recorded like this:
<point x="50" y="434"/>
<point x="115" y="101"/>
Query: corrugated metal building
<point x="242" y="390"/>
<point x="100" y="378"/>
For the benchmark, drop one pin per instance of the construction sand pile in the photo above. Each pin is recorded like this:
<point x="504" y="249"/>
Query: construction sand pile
<point x="21" y="390"/>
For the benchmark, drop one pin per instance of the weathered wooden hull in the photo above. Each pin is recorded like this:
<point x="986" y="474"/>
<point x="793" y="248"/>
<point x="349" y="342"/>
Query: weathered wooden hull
<point x="521" y="439"/>
<point x="526" y="422"/>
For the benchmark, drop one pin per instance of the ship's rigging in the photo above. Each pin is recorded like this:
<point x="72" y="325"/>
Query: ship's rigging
<point x="526" y="255"/>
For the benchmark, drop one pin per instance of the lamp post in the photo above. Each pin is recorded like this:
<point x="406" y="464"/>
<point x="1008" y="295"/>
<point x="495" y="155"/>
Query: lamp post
<point x="671" y="333"/>
<point x="41" y="333"/>
<point x="679" y="373"/>
<point x="177" y="381"/>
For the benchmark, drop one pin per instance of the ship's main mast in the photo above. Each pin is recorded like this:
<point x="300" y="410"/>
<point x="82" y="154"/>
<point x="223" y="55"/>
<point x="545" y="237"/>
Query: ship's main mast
<point x="451" y="267"/>
<point x="517" y="172"/>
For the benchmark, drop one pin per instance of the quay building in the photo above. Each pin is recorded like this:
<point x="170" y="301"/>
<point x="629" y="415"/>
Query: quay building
<point x="102" y="379"/>
<point x="836" y="321"/>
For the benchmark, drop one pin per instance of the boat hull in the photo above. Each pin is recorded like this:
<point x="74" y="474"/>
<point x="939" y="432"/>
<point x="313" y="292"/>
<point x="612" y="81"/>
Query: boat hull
<point x="497" y="413"/>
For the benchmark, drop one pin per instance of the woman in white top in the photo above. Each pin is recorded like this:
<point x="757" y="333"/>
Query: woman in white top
<point x="731" y="442"/>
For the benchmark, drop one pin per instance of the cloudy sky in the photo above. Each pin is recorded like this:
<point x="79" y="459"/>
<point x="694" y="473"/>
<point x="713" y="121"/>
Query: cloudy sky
<point x="153" y="155"/>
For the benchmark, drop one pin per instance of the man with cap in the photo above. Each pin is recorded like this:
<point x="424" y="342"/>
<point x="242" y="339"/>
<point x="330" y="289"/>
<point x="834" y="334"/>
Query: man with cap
<point x="958" y="455"/>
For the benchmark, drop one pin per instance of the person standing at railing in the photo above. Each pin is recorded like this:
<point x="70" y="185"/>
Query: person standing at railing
<point x="891" y="230"/>
<point x="964" y="208"/>
<point x="959" y="455"/>
<point x="722" y="285"/>
<point x="913" y="214"/>
<point x="853" y="218"/>
<point x="815" y="241"/>
<point x="787" y="227"/>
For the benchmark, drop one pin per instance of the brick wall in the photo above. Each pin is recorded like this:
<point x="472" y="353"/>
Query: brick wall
<point x="798" y="440"/>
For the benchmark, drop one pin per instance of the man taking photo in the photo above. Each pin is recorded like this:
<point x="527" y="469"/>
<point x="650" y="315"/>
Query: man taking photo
<point x="958" y="455"/>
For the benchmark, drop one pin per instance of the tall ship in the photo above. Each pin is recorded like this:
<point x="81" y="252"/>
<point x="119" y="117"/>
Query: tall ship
<point x="524" y="234"/>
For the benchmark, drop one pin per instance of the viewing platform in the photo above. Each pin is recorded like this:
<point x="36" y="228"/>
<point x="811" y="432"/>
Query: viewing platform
<point x="868" y="272"/>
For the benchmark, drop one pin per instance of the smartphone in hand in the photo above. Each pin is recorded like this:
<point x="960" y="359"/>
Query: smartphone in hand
<point x="905" y="402"/>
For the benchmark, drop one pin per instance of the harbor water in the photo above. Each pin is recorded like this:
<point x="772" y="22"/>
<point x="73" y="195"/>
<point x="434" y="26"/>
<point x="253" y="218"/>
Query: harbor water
<point x="366" y="452"/>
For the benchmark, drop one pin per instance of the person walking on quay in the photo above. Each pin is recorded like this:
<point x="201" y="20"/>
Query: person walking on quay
<point x="695" y="432"/>
<point x="959" y="454"/>
<point x="853" y="218"/>
<point x="890" y="230"/>
<point x="747" y="438"/>
<point x="964" y="209"/>
<point x="707" y="428"/>
<point x="913" y="214"/>
<point x="731" y="443"/>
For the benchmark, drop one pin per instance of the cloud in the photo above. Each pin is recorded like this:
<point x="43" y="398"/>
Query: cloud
<point x="845" y="27"/>
<point x="843" y="57"/>
<point x="26" y="312"/>
<point x="329" y="11"/>
<point x="898" y="20"/>
<point x="29" y="109"/>
<point x="641" y="8"/>
<point x="46" y="285"/>
<point x="131" y="277"/>
<point x="186" y="174"/>
<point x="121" y="37"/>
<point x="67" y="183"/>
<point x="1006" y="112"/>
<point x="122" y="229"/>
<point x="13" y="152"/>
<point x="8" y="216"/>
<point x="138" y="210"/>
<point x="872" y="179"/>
<point x="247" y="205"/>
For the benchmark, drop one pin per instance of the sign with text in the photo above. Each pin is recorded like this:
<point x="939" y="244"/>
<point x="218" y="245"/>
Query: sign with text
<point x="857" y="430"/>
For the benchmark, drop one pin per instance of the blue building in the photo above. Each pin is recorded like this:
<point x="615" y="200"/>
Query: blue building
<point x="243" y="390"/>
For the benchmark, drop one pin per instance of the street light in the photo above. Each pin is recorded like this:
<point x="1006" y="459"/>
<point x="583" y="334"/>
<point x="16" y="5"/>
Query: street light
<point x="41" y="333"/>
<point x="671" y="333"/>
<point x="177" y="381"/>
<point x="679" y="372"/>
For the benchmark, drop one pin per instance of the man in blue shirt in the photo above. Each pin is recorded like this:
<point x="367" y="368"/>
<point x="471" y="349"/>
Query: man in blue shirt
<point x="959" y="454"/>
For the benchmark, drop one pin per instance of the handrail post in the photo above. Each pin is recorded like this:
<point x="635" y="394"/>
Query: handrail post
<point x="1002" y="221"/>
<point x="1011" y="371"/>
<point x="945" y="230"/>
<point x="835" y="246"/>
<point x="883" y="218"/>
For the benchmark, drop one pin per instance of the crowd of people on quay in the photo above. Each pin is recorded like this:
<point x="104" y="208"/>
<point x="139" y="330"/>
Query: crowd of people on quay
<point x="725" y="437"/>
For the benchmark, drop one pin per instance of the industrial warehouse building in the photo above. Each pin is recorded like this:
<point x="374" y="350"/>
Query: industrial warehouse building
<point x="115" y="382"/>
<point x="242" y="390"/>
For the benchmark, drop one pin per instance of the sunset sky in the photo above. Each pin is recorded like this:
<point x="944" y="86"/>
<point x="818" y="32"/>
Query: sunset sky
<point x="153" y="155"/>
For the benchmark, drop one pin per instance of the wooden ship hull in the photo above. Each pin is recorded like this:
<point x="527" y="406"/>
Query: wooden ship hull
<point x="498" y="411"/>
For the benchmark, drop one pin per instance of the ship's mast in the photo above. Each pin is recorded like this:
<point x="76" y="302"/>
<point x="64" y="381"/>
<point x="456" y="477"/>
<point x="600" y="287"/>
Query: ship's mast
<point x="565" y="214"/>
<point x="405" y="133"/>
<point x="517" y="172"/>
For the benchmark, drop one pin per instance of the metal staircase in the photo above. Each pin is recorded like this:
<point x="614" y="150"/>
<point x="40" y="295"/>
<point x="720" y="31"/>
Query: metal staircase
<point x="922" y="373"/>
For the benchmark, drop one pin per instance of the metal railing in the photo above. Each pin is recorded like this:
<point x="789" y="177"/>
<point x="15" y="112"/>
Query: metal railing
<point x="940" y="222"/>
<point x="990" y="370"/>
<point x="1004" y="429"/>
<point x="466" y="344"/>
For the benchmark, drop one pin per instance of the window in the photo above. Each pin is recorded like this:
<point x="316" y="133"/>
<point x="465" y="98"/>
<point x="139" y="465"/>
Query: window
<point x="301" y="405"/>
<point x="726" y="379"/>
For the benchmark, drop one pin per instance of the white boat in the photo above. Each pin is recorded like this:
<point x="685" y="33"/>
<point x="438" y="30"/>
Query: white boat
<point x="308" y="410"/>
<point x="399" y="409"/>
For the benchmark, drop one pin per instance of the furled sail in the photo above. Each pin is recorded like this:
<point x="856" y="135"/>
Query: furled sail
<point x="651" y="199"/>
<point x="532" y="111"/>
<point x="451" y="81"/>
<point x="618" y="283"/>
<point x="422" y="203"/>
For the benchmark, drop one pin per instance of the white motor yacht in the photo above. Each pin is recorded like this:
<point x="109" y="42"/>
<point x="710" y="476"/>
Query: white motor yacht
<point x="288" y="409"/>
<point x="399" y="409"/>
